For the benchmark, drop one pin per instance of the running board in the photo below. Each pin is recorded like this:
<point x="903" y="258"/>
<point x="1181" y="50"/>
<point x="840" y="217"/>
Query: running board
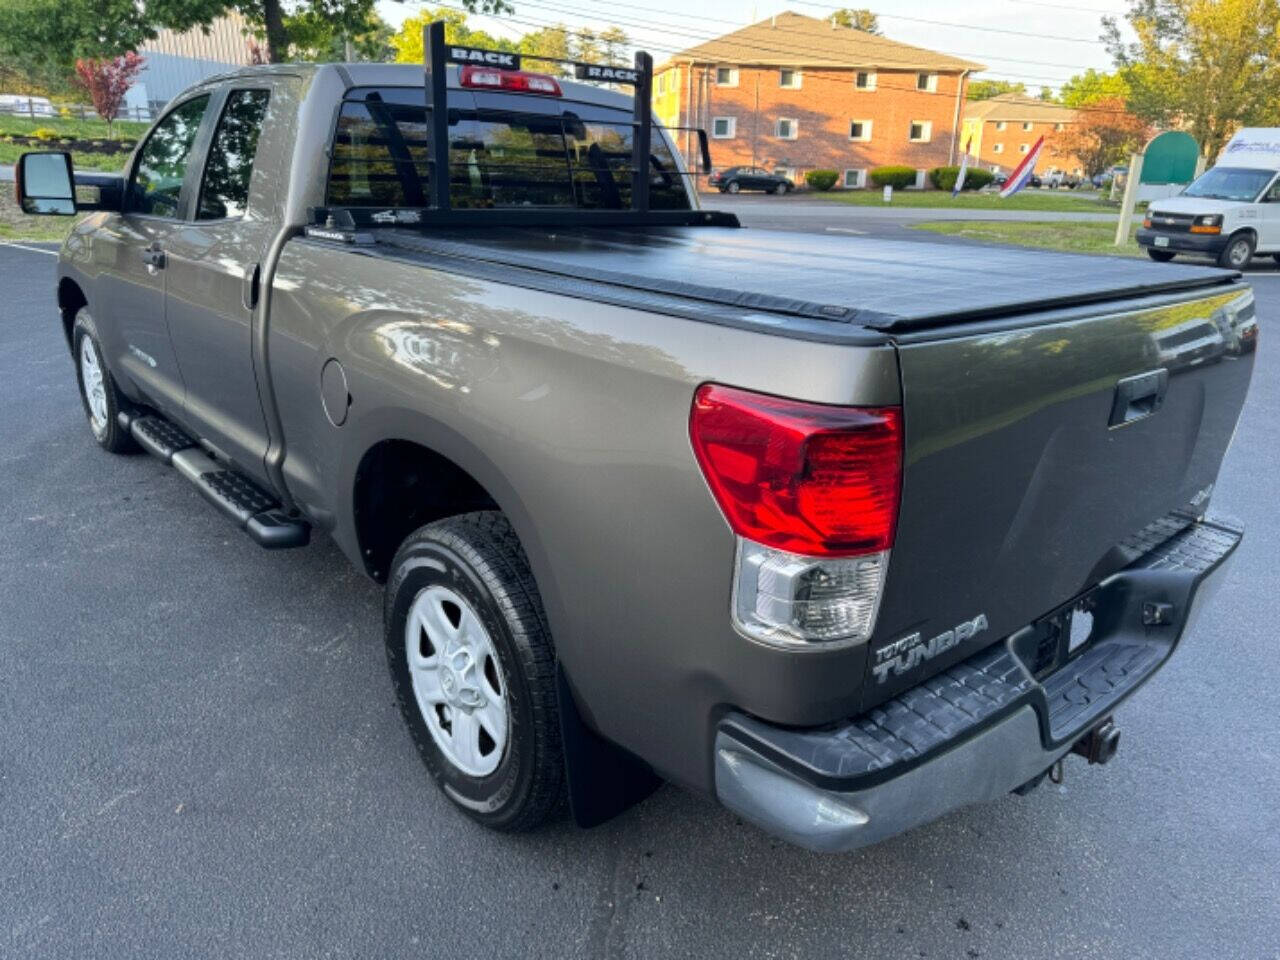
<point x="239" y="499"/>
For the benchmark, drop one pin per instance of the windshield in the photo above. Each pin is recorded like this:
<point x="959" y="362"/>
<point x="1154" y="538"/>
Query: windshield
<point x="1230" y="183"/>
<point x="578" y="157"/>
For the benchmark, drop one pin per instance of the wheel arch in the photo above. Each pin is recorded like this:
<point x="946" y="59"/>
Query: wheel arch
<point x="71" y="299"/>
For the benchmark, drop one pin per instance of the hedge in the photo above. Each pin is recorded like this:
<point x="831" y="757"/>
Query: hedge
<point x="944" y="178"/>
<point x="894" y="176"/>
<point x="821" y="179"/>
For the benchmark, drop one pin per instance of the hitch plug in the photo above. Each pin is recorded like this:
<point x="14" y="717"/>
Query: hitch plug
<point x="1099" y="745"/>
<point x="1156" y="614"/>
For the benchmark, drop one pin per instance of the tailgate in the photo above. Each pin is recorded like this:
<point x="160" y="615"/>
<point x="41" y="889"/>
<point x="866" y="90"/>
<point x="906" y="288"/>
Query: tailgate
<point x="1034" y="453"/>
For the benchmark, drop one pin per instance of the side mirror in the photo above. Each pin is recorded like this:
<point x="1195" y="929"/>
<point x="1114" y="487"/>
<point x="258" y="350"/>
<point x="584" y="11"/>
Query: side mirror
<point x="45" y="184"/>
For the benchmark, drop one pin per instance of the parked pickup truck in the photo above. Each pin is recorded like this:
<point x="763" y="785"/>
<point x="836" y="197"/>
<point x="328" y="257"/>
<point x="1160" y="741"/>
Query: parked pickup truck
<point x="842" y="536"/>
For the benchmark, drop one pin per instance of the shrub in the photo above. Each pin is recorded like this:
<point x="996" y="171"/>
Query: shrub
<point x="821" y="179"/>
<point x="44" y="133"/>
<point x="944" y="178"/>
<point x="893" y="176"/>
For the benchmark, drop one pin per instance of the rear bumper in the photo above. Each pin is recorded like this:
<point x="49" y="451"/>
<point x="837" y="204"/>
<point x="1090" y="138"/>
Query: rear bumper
<point x="976" y="731"/>
<point x="1209" y="245"/>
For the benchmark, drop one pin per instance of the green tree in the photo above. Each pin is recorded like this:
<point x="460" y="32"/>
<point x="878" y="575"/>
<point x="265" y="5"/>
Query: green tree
<point x="548" y="42"/>
<point x="1092" y="85"/>
<point x="857" y="19"/>
<point x="57" y="32"/>
<point x="1208" y="66"/>
<point x="407" y="41"/>
<point x="321" y="39"/>
<point x="986" y="89"/>
<point x="614" y="42"/>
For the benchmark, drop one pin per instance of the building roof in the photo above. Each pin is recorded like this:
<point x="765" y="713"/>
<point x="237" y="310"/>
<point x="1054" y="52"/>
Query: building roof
<point x="794" y="40"/>
<point x="1016" y="106"/>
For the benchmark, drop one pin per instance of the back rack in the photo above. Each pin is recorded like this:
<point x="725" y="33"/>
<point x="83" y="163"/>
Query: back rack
<point x="351" y="224"/>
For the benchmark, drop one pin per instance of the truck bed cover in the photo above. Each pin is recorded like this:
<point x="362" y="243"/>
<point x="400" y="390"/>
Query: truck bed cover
<point x="888" y="286"/>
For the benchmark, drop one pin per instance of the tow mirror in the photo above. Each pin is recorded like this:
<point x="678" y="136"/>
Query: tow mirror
<point x="45" y="184"/>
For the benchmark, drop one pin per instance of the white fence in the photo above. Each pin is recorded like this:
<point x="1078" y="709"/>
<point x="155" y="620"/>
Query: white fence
<point x="39" y="108"/>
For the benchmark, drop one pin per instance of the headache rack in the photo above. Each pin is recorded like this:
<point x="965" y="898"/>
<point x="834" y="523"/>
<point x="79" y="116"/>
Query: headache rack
<point x="351" y="223"/>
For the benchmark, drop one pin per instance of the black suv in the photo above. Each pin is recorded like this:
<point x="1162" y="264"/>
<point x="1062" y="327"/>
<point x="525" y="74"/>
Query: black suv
<point x="749" y="178"/>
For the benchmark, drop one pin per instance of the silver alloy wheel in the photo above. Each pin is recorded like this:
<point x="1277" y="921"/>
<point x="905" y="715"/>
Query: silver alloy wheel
<point x="1239" y="253"/>
<point x="457" y="680"/>
<point x="95" y="387"/>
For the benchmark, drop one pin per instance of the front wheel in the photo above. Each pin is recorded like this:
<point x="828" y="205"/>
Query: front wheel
<point x="102" y="400"/>
<point x="1237" y="253"/>
<point x="780" y="189"/>
<point x="473" y="667"/>
<point x="1159" y="256"/>
<point x="733" y="186"/>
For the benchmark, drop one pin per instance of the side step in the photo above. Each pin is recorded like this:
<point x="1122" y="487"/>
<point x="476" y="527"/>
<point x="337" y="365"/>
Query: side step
<point x="242" y="501"/>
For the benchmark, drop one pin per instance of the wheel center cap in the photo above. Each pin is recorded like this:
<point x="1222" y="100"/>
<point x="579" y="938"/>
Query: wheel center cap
<point x="449" y="683"/>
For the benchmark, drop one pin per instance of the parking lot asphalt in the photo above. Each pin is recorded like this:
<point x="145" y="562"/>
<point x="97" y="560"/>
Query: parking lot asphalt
<point x="200" y="757"/>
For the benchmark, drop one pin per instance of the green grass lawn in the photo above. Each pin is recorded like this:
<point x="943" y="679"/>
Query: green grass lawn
<point x="15" y="225"/>
<point x="1030" y="199"/>
<point x="1072" y="237"/>
<point x="109" y="162"/>
<point x="90" y="129"/>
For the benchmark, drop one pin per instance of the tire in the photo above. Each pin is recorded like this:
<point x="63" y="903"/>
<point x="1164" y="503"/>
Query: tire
<point x="732" y="186"/>
<point x="101" y="398"/>
<point x="1160" y="256"/>
<point x="1276" y="257"/>
<point x="1237" y="253"/>
<point x="503" y="671"/>
<point x="780" y="190"/>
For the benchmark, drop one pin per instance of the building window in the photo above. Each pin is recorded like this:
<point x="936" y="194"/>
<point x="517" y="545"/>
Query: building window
<point x="1000" y="125"/>
<point x="662" y="84"/>
<point x="855" y="179"/>
<point x="860" y="130"/>
<point x="921" y="131"/>
<point x="1059" y="127"/>
<point x="928" y="82"/>
<point x="997" y="148"/>
<point x="864" y="80"/>
<point x="1024" y="148"/>
<point x="1026" y="125"/>
<point x="788" y="78"/>
<point x="786" y="128"/>
<point x="726" y="76"/>
<point x="724" y="128"/>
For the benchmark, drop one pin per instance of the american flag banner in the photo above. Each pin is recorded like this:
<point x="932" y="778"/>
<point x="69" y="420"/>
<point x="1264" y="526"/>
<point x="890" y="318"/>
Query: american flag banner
<point x="1023" y="171"/>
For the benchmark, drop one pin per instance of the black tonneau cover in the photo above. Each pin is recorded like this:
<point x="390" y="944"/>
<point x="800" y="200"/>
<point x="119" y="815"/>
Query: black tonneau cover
<point x="884" y="285"/>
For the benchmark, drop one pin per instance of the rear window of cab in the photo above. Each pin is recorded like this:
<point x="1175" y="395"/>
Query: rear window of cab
<point x="499" y="154"/>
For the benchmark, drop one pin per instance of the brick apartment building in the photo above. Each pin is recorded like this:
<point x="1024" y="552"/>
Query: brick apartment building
<point x="793" y="93"/>
<point x="1002" y="130"/>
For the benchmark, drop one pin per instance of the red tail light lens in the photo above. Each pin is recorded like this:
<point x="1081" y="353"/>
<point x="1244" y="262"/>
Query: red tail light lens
<point x="808" y="478"/>
<point x="516" y="81"/>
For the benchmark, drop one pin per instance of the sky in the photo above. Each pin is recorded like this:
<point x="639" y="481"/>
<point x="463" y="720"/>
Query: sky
<point x="1036" y="42"/>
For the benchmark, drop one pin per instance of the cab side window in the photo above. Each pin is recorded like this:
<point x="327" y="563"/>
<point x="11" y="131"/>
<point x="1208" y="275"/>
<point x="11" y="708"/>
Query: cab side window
<point x="224" y="194"/>
<point x="162" y="164"/>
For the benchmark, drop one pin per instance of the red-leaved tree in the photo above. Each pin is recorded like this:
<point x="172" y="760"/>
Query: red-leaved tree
<point x="108" y="81"/>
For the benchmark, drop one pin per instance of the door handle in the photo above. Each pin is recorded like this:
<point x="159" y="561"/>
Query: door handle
<point x="153" y="257"/>
<point x="1138" y="397"/>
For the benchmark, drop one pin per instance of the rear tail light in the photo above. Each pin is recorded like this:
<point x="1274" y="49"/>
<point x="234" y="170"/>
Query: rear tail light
<point x="812" y="493"/>
<point x="516" y="81"/>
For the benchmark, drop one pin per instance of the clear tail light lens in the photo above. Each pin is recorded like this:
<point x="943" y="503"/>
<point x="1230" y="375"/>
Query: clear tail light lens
<point x="812" y="491"/>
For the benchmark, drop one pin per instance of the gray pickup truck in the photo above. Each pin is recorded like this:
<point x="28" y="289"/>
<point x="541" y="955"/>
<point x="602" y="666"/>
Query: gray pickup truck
<point x="843" y="533"/>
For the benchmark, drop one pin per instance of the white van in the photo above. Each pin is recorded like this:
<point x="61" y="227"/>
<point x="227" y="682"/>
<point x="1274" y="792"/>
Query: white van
<point x="24" y="106"/>
<point x="1230" y="212"/>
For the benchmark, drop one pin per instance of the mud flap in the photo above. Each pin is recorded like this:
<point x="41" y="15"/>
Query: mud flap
<point x="604" y="780"/>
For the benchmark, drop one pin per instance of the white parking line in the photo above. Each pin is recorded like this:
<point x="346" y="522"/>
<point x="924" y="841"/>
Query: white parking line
<point x="860" y="233"/>
<point x="20" y="246"/>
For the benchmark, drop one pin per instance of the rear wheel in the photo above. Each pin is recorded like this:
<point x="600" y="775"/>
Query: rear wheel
<point x="780" y="189"/>
<point x="732" y="186"/>
<point x="102" y="400"/>
<point x="1237" y="253"/>
<point x="473" y="666"/>
<point x="1159" y="256"/>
